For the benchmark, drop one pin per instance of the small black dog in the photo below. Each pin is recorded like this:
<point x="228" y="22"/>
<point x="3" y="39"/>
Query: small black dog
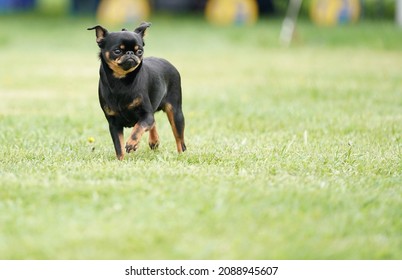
<point x="133" y="88"/>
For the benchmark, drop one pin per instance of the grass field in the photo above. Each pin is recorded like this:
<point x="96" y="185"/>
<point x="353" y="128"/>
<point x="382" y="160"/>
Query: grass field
<point x="293" y="153"/>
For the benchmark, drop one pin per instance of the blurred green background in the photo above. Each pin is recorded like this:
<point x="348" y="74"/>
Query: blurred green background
<point x="371" y="9"/>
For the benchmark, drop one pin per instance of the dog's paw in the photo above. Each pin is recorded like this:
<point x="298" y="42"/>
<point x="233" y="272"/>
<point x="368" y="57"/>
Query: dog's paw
<point x="154" y="145"/>
<point x="131" y="146"/>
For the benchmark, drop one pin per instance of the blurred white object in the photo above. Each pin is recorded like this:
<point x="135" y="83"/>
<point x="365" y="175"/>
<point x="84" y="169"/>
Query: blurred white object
<point x="289" y="23"/>
<point x="398" y="12"/>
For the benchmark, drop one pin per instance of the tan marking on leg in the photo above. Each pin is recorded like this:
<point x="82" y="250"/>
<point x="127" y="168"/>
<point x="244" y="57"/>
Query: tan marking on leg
<point x="169" y="112"/>
<point x="135" y="137"/>
<point x="153" y="138"/>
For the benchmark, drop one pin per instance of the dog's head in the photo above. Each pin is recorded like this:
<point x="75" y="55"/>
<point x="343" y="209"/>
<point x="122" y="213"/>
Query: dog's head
<point x="123" y="50"/>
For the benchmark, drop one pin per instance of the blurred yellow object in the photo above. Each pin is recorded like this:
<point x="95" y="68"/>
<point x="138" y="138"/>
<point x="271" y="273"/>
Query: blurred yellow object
<point x="91" y="139"/>
<point x="229" y="12"/>
<point x="120" y="12"/>
<point x="332" y="12"/>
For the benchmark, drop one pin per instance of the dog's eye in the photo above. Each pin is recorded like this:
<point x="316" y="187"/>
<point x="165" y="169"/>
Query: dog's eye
<point x="117" y="51"/>
<point x="139" y="52"/>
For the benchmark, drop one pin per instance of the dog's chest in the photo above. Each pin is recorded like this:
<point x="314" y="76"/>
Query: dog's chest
<point x="114" y="107"/>
<point x="124" y="110"/>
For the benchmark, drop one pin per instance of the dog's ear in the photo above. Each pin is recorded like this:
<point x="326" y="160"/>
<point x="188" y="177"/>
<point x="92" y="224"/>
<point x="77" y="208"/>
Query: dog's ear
<point x="101" y="34"/>
<point x="142" y="28"/>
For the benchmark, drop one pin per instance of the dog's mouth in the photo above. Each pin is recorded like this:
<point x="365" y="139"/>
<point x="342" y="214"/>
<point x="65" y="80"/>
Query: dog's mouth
<point x="123" y="65"/>
<point x="129" y="62"/>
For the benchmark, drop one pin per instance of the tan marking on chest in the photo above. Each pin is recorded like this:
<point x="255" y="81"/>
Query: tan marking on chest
<point x="109" y="111"/>
<point x="136" y="102"/>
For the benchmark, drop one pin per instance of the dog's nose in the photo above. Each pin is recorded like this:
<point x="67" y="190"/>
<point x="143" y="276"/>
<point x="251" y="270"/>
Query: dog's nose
<point x="130" y="53"/>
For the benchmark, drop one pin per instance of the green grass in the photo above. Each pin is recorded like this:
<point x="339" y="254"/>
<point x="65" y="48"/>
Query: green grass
<point x="293" y="153"/>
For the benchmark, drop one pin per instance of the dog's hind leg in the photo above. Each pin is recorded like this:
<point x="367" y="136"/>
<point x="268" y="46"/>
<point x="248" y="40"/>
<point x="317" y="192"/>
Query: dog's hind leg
<point x="176" y="120"/>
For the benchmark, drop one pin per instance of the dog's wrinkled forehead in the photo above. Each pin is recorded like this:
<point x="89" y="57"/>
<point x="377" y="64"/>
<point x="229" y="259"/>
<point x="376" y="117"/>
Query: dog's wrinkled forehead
<point x="123" y="38"/>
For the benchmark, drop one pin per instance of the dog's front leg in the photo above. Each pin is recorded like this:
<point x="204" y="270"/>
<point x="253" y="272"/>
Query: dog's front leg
<point x="142" y="126"/>
<point x="118" y="140"/>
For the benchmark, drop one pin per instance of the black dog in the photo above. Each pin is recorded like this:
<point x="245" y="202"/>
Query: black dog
<point x="132" y="89"/>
